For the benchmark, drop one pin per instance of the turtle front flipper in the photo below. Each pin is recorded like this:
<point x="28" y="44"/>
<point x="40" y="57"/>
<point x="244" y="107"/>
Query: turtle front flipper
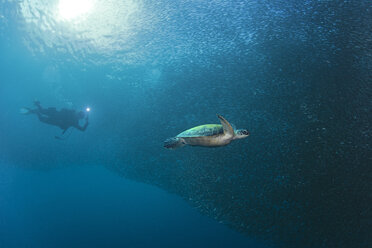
<point x="173" y="143"/>
<point x="227" y="128"/>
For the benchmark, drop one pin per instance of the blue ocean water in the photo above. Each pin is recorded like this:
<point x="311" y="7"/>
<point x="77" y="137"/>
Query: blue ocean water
<point x="90" y="206"/>
<point x="295" y="73"/>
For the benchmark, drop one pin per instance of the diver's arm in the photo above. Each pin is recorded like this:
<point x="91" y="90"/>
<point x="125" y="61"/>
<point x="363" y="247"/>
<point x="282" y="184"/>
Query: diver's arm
<point x="64" y="130"/>
<point x="82" y="128"/>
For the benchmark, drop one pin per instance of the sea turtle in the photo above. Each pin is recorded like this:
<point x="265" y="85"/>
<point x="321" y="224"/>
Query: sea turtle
<point x="210" y="135"/>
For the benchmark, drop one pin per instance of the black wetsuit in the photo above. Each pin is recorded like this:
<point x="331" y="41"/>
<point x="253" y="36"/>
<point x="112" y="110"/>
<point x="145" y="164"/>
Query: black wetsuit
<point x="65" y="118"/>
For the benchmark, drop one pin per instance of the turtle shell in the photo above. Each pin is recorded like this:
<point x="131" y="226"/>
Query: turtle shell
<point x="203" y="130"/>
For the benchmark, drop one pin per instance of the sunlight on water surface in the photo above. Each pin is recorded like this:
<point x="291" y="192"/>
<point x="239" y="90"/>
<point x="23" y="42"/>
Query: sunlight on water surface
<point x="69" y="9"/>
<point x="81" y="28"/>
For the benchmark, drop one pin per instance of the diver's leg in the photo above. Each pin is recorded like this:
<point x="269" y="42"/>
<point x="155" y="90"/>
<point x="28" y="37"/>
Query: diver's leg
<point x="45" y="111"/>
<point x="39" y="108"/>
<point x="43" y="118"/>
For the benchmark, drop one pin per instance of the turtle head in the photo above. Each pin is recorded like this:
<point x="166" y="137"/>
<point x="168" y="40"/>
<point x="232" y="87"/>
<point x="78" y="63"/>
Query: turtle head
<point x="241" y="133"/>
<point x="173" y="143"/>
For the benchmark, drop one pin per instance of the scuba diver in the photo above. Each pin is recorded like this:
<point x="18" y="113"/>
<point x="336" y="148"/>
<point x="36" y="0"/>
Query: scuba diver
<point x="64" y="119"/>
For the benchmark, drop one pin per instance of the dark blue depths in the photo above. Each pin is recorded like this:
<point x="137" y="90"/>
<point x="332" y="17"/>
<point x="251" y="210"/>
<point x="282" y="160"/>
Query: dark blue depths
<point x="295" y="73"/>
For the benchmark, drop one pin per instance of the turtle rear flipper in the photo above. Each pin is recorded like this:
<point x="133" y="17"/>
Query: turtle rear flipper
<point x="227" y="128"/>
<point x="173" y="143"/>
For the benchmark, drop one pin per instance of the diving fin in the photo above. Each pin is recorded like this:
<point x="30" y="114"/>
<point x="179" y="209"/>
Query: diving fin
<point x="24" y="111"/>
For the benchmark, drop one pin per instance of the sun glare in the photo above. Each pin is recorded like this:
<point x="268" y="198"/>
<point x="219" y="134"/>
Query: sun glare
<point x="71" y="9"/>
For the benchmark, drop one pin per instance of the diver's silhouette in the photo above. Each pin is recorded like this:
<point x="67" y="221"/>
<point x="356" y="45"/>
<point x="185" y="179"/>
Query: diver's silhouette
<point x="64" y="119"/>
